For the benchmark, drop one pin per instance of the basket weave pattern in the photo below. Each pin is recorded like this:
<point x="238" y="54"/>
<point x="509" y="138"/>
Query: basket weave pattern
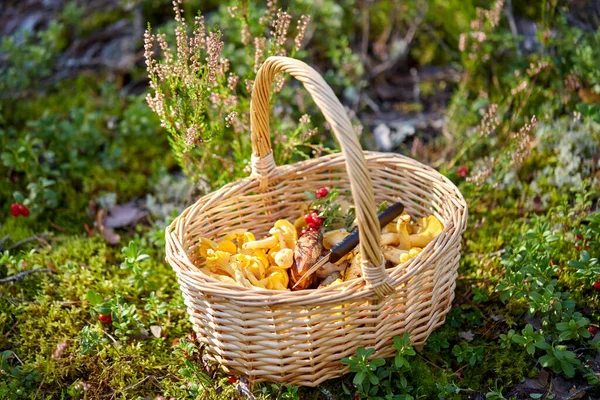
<point x="300" y="337"/>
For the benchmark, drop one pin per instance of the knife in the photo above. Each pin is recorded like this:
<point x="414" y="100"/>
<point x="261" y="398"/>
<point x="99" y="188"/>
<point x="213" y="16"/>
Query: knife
<point x="351" y="241"/>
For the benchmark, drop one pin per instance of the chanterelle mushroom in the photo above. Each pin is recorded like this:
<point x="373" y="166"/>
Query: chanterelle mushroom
<point x="403" y="236"/>
<point x="332" y="238"/>
<point x="393" y="254"/>
<point x="430" y="228"/>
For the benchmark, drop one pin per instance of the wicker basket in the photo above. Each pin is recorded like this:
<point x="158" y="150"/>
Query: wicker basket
<point x="300" y="337"/>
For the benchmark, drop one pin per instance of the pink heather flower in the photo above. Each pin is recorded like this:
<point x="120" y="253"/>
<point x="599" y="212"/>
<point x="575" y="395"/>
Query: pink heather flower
<point x="301" y="26"/>
<point x="232" y="11"/>
<point x="246" y="36"/>
<point x="249" y="84"/>
<point x="280" y="31"/>
<point x="489" y="122"/>
<point x="229" y="119"/>
<point x="214" y="47"/>
<point x="305" y="119"/>
<point x="259" y="48"/>
<point x="521" y="87"/>
<point x="462" y="42"/>
<point x="232" y="81"/>
<point x="522" y="140"/>
<point x="191" y="136"/>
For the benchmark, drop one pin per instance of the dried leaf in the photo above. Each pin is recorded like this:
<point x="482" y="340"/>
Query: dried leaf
<point x="110" y="236"/>
<point x="60" y="349"/>
<point x="156" y="330"/>
<point x="123" y="215"/>
<point x="468" y="335"/>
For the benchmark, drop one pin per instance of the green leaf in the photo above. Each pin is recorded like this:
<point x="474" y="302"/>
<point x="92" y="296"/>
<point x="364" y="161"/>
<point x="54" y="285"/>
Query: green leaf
<point x="94" y="298"/>
<point x="530" y="349"/>
<point x="536" y="395"/>
<point x="567" y="368"/>
<point x="547" y="360"/>
<point x="373" y="379"/>
<point x="378" y="362"/>
<point x="310" y="195"/>
<point x="576" y="264"/>
<point x="359" y="378"/>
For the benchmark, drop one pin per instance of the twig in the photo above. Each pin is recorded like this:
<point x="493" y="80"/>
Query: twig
<point x="583" y="389"/>
<point x="137" y="383"/>
<point x="41" y="384"/>
<point x="29" y="239"/>
<point x="21" y="275"/>
<point x="4" y="239"/>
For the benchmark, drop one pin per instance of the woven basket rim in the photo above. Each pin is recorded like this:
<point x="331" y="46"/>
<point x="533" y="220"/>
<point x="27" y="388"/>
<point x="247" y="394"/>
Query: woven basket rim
<point x="332" y="293"/>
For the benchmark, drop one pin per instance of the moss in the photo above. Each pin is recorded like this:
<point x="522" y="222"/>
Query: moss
<point x="16" y="228"/>
<point x="506" y="366"/>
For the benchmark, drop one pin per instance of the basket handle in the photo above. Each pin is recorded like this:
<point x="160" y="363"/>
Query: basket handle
<point x="372" y="263"/>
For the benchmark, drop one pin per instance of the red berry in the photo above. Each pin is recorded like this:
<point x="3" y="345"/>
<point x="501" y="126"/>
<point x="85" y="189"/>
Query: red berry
<point x="105" y="319"/>
<point x="356" y="397"/>
<point x="15" y="210"/>
<point x="579" y="237"/>
<point x="592" y="329"/>
<point x="578" y="246"/>
<point x="322" y="192"/>
<point x="232" y="379"/>
<point x="463" y="171"/>
<point x="597" y="285"/>
<point x="312" y="219"/>
<point x="23" y="210"/>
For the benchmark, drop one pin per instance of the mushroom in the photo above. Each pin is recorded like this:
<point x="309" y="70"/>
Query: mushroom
<point x="404" y="242"/>
<point x="227" y="246"/>
<point x="289" y="233"/>
<point x="284" y="258"/>
<point x="241" y="279"/>
<point x="389" y="228"/>
<point x="389" y="238"/>
<point x="217" y="260"/>
<point x="393" y="254"/>
<point x="222" y="278"/>
<point x="265" y="243"/>
<point x="257" y="263"/>
<point x="430" y="228"/>
<point x="334" y="277"/>
<point x="411" y="253"/>
<point x="329" y="268"/>
<point x="353" y="270"/>
<point x="332" y="238"/>
<point x="277" y="278"/>
<point x="205" y="245"/>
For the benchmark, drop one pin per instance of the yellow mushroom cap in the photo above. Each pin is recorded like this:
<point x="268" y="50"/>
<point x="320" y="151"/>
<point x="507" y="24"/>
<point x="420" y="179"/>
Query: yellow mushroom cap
<point x="332" y="238"/>
<point x="205" y="245"/>
<point x="278" y="278"/>
<point x="284" y="258"/>
<point x="430" y="228"/>
<point x="290" y="235"/>
<point x="404" y="242"/>
<point x="227" y="246"/>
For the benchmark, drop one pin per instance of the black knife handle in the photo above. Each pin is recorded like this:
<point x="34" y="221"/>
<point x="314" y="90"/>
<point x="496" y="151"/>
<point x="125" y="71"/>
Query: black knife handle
<point x="345" y="246"/>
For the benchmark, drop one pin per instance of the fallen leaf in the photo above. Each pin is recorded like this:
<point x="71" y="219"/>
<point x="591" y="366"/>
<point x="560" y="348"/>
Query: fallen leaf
<point x="123" y="215"/>
<point x="156" y="330"/>
<point x="110" y="236"/>
<point x="60" y="349"/>
<point x="468" y="335"/>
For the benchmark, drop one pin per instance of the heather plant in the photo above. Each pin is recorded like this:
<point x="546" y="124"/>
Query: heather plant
<point x="202" y="100"/>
